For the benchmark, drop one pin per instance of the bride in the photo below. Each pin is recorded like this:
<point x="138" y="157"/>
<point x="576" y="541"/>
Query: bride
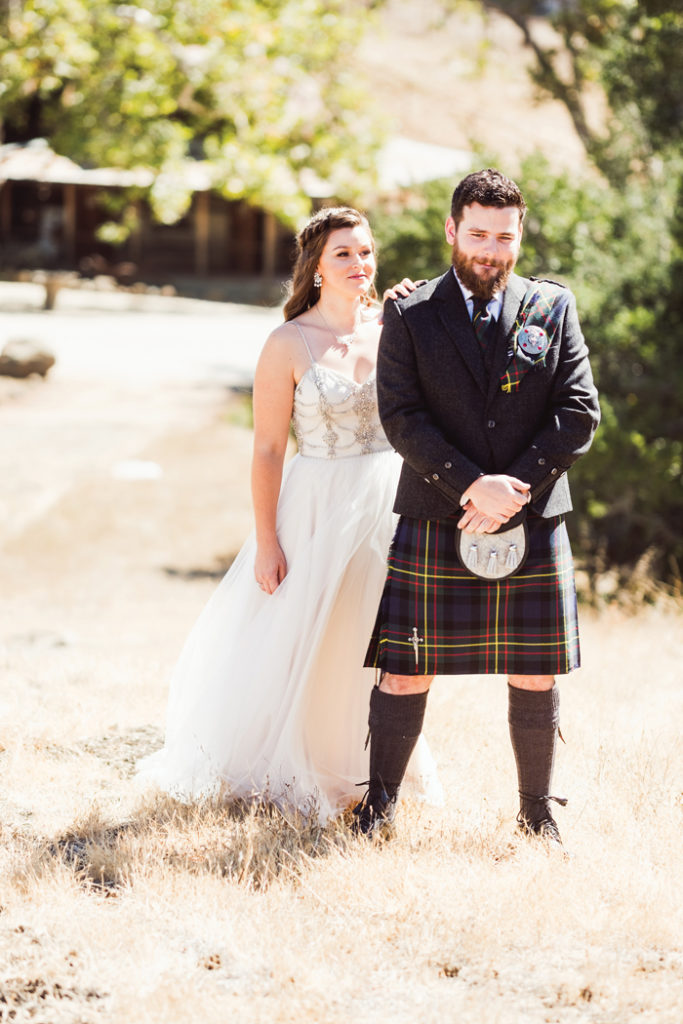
<point x="269" y="698"/>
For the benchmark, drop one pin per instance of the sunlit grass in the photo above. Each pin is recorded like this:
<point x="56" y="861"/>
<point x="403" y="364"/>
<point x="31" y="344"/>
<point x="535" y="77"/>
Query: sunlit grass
<point x="120" y="905"/>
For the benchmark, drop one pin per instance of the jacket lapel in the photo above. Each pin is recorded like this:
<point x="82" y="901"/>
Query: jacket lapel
<point x="455" y="319"/>
<point x="514" y="294"/>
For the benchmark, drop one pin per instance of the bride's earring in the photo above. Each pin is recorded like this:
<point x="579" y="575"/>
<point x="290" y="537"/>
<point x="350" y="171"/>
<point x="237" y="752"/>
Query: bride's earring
<point x="317" y="279"/>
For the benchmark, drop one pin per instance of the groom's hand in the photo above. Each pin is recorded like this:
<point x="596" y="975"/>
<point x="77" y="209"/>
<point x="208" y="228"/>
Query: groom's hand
<point x="492" y="500"/>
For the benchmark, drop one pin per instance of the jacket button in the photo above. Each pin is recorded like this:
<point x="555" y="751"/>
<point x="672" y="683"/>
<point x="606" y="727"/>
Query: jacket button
<point x="448" y="465"/>
<point x="541" y="461"/>
<point x="553" y="471"/>
<point x="491" y="424"/>
<point x="435" y="476"/>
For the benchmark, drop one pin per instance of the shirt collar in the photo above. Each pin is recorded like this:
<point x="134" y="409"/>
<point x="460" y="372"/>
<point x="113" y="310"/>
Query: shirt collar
<point x="494" y="305"/>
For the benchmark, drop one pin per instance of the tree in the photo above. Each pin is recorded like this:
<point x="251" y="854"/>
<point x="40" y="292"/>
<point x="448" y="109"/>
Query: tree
<point x="620" y="249"/>
<point x="631" y="51"/>
<point x="616" y="238"/>
<point x="630" y="277"/>
<point x="259" y="88"/>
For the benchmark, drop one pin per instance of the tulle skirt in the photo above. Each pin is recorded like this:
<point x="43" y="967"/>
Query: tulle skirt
<point x="269" y="698"/>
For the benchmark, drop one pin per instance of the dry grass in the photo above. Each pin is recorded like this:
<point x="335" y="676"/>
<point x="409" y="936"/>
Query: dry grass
<point x="118" y="906"/>
<point x="124" y="908"/>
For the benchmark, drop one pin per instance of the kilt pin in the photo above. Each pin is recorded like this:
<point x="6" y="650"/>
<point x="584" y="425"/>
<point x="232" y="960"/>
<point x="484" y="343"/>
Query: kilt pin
<point x="524" y="405"/>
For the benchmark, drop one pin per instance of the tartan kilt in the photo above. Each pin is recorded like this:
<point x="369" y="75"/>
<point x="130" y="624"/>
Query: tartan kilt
<point x="435" y="618"/>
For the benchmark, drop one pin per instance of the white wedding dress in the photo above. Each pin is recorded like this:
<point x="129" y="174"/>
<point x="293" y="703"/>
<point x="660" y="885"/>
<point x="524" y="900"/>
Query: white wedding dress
<point x="269" y="697"/>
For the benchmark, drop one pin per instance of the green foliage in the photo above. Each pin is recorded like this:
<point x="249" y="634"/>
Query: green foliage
<point x="619" y="252"/>
<point x="410" y="234"/>
<point x="260" y="88"/>
<point x="617" y="240"/>
<point x="642" y="69"/>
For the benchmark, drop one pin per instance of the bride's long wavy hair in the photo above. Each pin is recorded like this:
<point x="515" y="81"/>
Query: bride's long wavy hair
<point x="310" y="242"/>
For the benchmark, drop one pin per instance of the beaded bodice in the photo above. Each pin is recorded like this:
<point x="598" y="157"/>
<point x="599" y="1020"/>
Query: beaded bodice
<point x="335" y="417"/>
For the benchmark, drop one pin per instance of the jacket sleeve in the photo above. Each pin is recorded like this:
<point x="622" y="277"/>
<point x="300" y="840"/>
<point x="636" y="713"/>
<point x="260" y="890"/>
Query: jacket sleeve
<point x="406" y="418"/>
<point x="573" y="413"/>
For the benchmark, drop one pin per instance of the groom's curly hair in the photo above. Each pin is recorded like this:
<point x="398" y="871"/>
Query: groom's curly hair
<point x="488" y="188"/>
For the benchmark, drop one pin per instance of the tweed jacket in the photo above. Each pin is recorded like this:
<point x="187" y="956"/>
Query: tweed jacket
<point x="450" y="420"/>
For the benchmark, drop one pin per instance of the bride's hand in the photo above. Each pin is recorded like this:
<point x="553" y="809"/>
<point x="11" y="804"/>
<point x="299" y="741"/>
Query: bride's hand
<point x="270" y="567"/>
<point x="401" y="290"/>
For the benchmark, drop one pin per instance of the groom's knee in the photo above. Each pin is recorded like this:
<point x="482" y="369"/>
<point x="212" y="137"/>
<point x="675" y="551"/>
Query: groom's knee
<point x="401" y="685"/>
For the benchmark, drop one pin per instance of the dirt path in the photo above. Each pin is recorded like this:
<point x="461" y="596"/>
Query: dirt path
<point x="123" y="497"/>
<point x="130" y="370"/>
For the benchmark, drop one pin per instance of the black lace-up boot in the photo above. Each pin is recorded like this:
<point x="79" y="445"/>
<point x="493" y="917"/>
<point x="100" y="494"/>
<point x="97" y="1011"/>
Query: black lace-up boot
<point x="395" y="725"/>
<point x="534" y="716"/>
<point x="535" y="819"/>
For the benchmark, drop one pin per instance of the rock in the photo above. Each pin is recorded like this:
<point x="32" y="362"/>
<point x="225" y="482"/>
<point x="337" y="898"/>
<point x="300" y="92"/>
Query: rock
<point x="21" y="357"/>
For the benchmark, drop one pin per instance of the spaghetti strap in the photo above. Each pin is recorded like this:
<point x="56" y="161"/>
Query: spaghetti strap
<point x="303" y="338"/>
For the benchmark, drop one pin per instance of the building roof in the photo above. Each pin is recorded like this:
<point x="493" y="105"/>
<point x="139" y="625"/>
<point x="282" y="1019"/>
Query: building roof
<point x="35" y="161"/>
<point x="402" y="162"/>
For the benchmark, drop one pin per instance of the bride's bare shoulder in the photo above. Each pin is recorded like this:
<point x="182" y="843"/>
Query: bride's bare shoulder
<point x="283" y="336"/>
<point x="283" y="344"/>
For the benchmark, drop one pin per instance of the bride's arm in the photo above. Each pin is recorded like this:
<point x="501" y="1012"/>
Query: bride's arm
<point x="273" y="398"/>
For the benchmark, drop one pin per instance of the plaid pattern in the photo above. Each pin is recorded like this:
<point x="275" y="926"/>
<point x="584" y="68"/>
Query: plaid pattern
<point x="436" y="618"/>
<point x="483" y="323"/>
<point x="543" y="307"/>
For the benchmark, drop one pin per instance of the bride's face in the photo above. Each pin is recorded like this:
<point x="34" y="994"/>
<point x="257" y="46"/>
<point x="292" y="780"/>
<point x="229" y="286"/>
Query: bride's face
<point x="347" y="263"/>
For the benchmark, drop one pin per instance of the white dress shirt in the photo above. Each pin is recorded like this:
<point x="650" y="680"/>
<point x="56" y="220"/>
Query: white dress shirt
<point x="493" y="306"/>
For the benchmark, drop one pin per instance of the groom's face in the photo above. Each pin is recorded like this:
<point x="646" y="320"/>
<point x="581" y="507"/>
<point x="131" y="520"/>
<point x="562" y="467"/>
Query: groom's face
<point x="485" y="246"/>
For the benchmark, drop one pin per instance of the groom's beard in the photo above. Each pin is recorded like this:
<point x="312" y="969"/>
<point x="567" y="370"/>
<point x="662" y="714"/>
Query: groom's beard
<point x="483" y="287"/>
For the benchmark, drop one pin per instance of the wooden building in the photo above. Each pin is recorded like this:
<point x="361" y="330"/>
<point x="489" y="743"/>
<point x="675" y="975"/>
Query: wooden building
<point x="50" y="210"/>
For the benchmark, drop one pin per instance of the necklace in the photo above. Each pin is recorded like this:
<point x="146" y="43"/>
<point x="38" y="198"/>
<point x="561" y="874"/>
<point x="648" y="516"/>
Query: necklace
<point x="345" y="340"/>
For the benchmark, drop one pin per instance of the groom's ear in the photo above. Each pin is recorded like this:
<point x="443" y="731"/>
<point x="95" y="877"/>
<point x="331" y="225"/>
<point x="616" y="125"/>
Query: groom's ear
<point x="450" y="230"/>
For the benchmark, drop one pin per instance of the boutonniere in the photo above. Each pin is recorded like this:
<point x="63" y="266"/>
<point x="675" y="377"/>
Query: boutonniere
<point x="533" y="341"/>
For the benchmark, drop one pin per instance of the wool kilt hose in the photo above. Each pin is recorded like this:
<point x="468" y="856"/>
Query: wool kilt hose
<point x="436" y="618"/>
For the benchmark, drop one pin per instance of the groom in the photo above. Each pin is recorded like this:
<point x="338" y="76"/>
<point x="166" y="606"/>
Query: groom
<point x="486" y="391"/>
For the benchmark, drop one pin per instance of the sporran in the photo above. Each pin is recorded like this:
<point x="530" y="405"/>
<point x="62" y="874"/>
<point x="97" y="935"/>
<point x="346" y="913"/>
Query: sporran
<point x="495" y="556"/>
